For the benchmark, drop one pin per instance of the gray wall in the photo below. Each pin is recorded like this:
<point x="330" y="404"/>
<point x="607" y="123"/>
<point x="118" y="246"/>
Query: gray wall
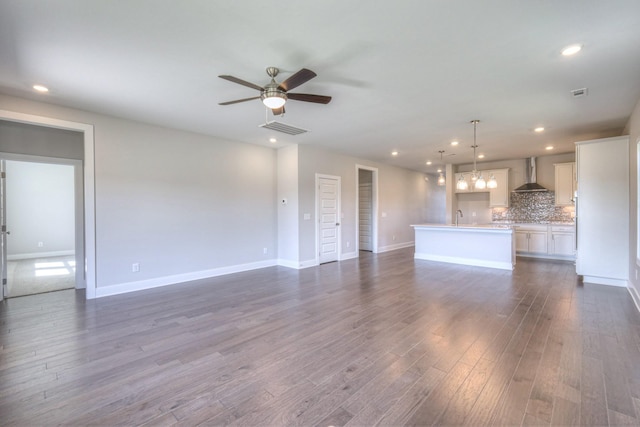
<point x="40" y="208"/>
<point x="20" y="138"/>
<point x="173" y="201"/>
<point x="437" y="201"/>
<point x="288" y="216"/>
<point x="402" y="196"/>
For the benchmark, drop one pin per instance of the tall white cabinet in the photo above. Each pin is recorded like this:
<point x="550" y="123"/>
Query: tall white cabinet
<point x="602" y="211"/>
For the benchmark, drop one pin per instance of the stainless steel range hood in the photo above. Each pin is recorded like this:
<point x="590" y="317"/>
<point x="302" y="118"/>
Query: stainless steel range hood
<point x="530" y="178"/>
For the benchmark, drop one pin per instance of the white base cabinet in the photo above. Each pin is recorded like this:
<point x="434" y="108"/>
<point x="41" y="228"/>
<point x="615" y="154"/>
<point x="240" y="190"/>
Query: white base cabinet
<point x="531" y="239"/>
<point x="562" y="241"/>
<point x="546" y="241"/>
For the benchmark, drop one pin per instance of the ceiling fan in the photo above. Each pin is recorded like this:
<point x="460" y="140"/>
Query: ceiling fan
<point x="274" y="94"/>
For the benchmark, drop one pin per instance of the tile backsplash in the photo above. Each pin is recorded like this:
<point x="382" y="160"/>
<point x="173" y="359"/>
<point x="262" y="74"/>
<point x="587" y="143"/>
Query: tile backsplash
<point x="534" y="207"/>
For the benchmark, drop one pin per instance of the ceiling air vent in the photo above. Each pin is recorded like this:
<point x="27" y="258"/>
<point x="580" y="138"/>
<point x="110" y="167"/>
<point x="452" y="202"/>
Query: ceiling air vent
<point x="577" y="93"/>
<point x="282" y="127"/>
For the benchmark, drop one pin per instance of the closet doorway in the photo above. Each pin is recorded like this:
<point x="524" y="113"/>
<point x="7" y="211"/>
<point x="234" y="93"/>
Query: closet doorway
<point x="367" y="207"/>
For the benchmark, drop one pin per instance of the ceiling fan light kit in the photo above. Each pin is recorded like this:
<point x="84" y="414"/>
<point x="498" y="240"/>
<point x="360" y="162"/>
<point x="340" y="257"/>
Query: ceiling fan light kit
<point x="274" y="95"/>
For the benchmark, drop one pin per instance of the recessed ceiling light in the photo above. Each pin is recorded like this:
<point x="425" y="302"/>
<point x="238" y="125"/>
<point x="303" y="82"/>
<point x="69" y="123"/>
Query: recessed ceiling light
<point x="439" y="170"/>
<point x="571" y="50"/>
<point x="481" y="156"/>
<point x="429" y="163"/>
<point x="273" y="140"/>
<point x="394" y="153"/>
<point x="549" y="147"/>
<point x="454" y="143"/>
<point x="41" y="88"/>
<point x="539" y="129"/>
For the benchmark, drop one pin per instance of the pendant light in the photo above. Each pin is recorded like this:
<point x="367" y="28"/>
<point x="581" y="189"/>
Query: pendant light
<point x="441" y="179"/>
<point x="492" y="183"/>
<point x="478" y="181"/>
<point x="462" y="183"/>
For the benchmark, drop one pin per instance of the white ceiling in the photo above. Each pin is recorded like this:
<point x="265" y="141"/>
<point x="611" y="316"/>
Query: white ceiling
<point x="404" y="75"/>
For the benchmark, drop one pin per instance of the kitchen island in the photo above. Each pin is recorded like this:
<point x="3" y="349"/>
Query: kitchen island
<point x="490" y="246"/>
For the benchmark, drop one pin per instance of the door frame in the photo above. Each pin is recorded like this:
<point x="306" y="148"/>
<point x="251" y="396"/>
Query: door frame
<point x="374" y="208"/>
<point x="317" y="210"/>
<point x="79" y="248"/>
<point x="88" y="186"/>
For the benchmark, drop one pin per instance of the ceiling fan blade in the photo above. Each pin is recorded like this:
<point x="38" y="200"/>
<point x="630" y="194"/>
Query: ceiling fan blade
<point x="318" y="99"/>
<point x="238" y="100"/>
<point x="242" y="82"/>
<point x="297" y="79"/>
<point x="278" y="111"/>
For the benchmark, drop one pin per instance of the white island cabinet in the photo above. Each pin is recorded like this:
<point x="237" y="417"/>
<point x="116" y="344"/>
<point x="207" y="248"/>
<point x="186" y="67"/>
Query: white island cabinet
<point x="479" y="245"/>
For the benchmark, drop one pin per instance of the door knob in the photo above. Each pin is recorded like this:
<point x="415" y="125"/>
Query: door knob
<point x="337" y="223"/>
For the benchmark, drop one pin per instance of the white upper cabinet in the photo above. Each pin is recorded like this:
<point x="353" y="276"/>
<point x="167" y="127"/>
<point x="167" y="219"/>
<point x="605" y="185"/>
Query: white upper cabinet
<point x="565" y="183"/>
<point x="499" y="196"/>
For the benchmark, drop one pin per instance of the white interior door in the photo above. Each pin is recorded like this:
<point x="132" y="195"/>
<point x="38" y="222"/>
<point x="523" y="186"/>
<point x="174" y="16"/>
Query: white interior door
<point x="365" y="216"/>
<point x="328" y="205"/>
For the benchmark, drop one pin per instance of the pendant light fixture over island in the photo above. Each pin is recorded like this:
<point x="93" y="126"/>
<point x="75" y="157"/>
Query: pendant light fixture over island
<point x="477" y="180"/>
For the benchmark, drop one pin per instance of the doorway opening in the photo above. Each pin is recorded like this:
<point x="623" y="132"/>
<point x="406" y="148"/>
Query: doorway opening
<point x="87" y="267"/>
<point x="43" y="214"/>
<point x="366" y="209"/>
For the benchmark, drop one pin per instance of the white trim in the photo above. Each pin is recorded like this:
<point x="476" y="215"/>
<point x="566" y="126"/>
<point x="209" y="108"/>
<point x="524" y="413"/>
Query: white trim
<point x="295" y="264"/>
<point x="570" y="258"/>
<point x="609" y="281"/>
<point x="17" y="257"/>
<point x="177" y="279"/>
<point x="634" y="296"/>
<point x="318" y="216"/>
<point x="374" y="208"/>
<point x="395" y="246"/>
<point x="78" y="211"/>
<point x="308" y="263"/>
<point x="89" y="186"/>
<point x="349" y="255"/>
<point x="288" y="263"/>
<point x="465" y="261"/>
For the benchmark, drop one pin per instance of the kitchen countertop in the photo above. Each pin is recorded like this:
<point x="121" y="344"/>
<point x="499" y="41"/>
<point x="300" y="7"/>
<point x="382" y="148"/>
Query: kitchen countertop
<point x="533" y="223"/>
<point x="467" y="227"/>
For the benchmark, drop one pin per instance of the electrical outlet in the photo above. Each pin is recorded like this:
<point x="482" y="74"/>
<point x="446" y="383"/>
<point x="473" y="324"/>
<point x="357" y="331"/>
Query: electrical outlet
<point x="135" y="267"/>
<point x="348" y="244"/>
<point x="40" y="244"/>
<point x="394" y="237"/>
<point x="265" y="250"/>
<point x="473" y="214"/>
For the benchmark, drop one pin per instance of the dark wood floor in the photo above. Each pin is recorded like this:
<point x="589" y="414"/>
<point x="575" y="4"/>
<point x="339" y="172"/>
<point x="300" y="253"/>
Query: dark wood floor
<point x="379" y="340"/>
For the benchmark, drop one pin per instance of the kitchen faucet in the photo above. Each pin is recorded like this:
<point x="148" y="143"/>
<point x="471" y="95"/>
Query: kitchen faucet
<point x="458" y="215"/>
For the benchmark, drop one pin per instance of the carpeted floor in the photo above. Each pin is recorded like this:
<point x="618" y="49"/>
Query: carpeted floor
<point x="38" y="275"/>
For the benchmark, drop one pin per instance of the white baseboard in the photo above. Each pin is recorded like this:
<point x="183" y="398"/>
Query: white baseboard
<point x="349" y="255"/>
<point x="298" y="265"/>
<point x="394" y="247"/>
<point x="622" y="283"/>
<point x="179" y="278"/>
<point x="465" y="261"/>
<point x="634" y="295"/>
<point x="308" y="263"/>
<point x="16" y="257"/>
